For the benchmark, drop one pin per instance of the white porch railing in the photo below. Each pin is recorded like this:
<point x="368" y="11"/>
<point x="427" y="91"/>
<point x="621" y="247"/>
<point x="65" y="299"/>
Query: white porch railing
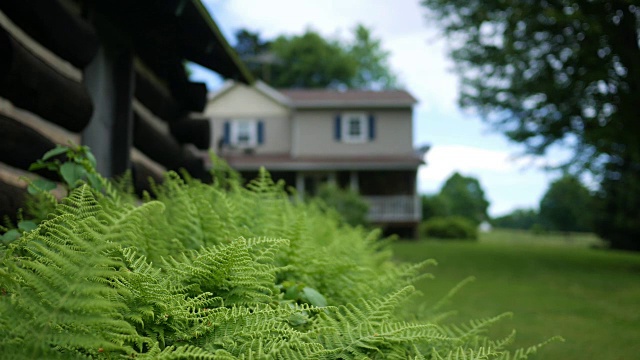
<point x="394" y="208"/>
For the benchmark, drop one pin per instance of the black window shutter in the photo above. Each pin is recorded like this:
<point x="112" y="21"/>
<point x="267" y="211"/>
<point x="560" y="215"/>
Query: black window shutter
<point x="260" y="132"/>
<point x="338" y="128"/>
<point x="372" y="127"/>
<point x="227" y="132"/>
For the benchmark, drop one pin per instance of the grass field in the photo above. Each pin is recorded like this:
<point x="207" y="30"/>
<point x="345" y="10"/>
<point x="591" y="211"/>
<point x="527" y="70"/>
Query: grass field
<point x="554" y="285"/>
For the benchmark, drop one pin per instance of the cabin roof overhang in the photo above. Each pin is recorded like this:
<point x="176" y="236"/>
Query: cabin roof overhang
<point x="166" y="33"/>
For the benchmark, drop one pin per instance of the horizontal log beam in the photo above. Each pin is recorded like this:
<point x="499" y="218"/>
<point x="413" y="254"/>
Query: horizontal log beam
<point x="20" y="146"/>
<point x="30" y="83"/>
<point x="12" y="198"/>
<point x="193" y="131"/>
<point x="155" y="98"/>
<point x="142" y="174"/>
<point x="164" y="149"/>
<point x="49" y="23"/>
<point x="193" y="97"/>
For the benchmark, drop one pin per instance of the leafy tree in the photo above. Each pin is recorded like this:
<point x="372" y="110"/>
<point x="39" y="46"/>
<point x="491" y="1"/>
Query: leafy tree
<point x="249" y="44"/>
<point x="254" y="51"/>
<point x="557" y="72"/>
<point x="523" y="219"/>
<point x="566" y="206"/>
<point x="312" y="61"/>
<point x="434" y="206"/>
<point x="373" y="66"/>
<point x="464" y="197"/>
<point x="617" y="208"/>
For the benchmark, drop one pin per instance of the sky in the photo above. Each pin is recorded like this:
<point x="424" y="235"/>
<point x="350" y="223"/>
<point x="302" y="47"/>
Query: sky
<point x="459" y="140"/>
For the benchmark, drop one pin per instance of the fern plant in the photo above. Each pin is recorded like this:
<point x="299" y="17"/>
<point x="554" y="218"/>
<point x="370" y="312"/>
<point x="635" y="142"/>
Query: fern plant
<point x="217" y="271"/>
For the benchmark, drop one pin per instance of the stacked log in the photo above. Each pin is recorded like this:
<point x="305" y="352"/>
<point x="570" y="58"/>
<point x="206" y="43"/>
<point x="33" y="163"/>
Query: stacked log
<point x="47" y="48"/>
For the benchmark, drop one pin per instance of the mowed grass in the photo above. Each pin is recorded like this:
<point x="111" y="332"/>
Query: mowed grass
<point x="554" y="285"/>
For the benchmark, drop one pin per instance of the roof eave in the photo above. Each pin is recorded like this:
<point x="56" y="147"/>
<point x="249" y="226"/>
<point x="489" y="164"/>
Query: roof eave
<point x="351" y="105"/>
<point x="242" y="73"/>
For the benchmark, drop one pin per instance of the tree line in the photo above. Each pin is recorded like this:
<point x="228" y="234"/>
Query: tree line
<point x="566" y="206"/>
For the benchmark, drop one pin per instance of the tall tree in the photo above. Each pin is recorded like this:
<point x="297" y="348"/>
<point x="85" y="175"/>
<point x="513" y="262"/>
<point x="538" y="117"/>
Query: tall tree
<point x="250" y="44"/>
<point x="373" y="62"/>
<point x="434" y="206"/>
<point x="566" y="206"/>
<point x="557" y="72"/>
<point x="312" y="61"/>
<point x="464" y="197"/>
<point x="254" y="51"/>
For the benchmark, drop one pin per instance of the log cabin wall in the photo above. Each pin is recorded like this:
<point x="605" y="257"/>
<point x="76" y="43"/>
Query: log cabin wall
<point x="110" y="75"/>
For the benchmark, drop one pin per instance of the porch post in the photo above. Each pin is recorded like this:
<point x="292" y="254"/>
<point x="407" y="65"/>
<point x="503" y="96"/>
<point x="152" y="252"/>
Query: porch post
<point x="300" y="184"/>
<point x="353" y="181"/>
<point x="331" y="178"/>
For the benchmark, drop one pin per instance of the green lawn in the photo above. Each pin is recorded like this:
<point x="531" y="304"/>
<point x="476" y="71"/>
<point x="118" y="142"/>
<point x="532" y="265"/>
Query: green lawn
<point x="554" y="285"/>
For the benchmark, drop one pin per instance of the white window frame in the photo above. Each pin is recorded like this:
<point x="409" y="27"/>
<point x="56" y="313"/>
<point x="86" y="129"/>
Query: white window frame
<point x="235" y="133"/>
<point x="364" y="128"/>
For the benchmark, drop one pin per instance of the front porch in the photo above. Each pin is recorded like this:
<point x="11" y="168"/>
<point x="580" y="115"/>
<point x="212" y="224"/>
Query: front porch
<point x="389" y="209"/>
<point x="391" y="194"/>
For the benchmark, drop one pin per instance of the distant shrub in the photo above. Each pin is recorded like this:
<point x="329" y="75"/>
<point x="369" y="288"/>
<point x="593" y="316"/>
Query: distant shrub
<point x="349" y="204"/>
<point x="537" y="229"/>
<point x="450" y="227"/>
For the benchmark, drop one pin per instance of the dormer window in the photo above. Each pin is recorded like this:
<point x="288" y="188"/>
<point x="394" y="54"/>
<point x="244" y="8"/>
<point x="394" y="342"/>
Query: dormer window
<point x="355" y="128"/>
<point x="244" y="133"/>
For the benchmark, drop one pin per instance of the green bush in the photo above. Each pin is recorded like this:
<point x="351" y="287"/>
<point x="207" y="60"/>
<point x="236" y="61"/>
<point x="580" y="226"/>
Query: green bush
<point x="349" y="204"/>
<point x="451" y="227"/>
<point x="216" y="271"/>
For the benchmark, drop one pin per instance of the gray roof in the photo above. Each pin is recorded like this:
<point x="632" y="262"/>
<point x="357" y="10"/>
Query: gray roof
<point x="322" y="98"/>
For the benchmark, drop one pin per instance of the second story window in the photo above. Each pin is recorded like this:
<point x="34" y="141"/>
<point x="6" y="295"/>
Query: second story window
<point x="244" y="133"/>
<point x="355" y="128"/>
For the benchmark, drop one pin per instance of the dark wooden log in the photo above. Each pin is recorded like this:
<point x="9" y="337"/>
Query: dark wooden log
<point x="12" y="198"/>
<point x="164" y="149"/>
<point x="50" y="24"/>
<point x="159" y="102"/>
<point x="141" y="177"/>
<point x="20" y="146"/>
<point x="193" y="131"/>
<point x="32" y="84"/>
<point x="193" y="97"/>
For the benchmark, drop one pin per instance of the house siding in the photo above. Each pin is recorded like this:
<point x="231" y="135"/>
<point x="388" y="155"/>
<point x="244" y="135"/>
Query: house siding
<point x="277" y="133"/>
<point x="315" y="134"/>
<point x="241" y="102"/>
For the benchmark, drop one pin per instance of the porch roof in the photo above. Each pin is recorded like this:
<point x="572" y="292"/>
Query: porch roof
<point x="285" y="162"/>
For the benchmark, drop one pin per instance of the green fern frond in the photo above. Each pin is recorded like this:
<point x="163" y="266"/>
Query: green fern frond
<point x="229" y="271"/>
<point x="217" y="271"/>
<point x="81" y="203"/>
